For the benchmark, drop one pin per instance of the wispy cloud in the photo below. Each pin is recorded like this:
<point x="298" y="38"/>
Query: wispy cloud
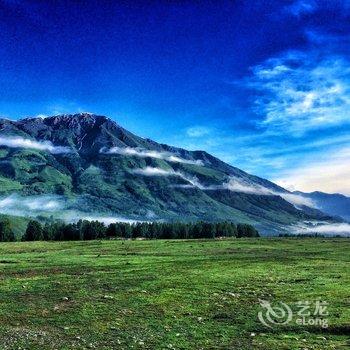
<point x="239" y="185"/>
<point x="20" y="142"/>
<point x="183" y="186"/>
<point x="298" y="200"/>
<point x="330" y="172"/>
<point x="234" y="184"/>
<point x="74" y="216"/>
<point x="302" y="91"/>
<point x="58" y="206"/>
<point x="15" y="204"/>
<point x="302" y="104"/>
<point x="144" y="153"/>
<point x="342" y="229"/>
<point x="152" y="171"/>
<point x="198" y="131"/>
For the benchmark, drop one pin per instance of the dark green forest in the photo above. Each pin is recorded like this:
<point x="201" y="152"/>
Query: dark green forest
<point x="90" y="230"/>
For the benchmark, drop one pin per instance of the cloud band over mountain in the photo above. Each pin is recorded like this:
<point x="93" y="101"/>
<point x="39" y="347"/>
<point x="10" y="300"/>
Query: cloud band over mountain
<point x="152" y="171"/>
<point x="144" y="153"/>
<point x="234" y="184"/>
<point x="327" y="229"/>
<point x="15" y="204"/>
<point x="20" y="142"/>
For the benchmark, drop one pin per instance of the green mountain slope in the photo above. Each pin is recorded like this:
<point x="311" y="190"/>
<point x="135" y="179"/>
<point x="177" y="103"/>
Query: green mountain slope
<point x="92" y="166"/>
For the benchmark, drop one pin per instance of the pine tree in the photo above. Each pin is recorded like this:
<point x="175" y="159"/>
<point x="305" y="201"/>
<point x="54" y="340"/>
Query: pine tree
<point x="71" y="232"/>
<point x="34" y="231"/>
<point x="127" y="231"/>
<point x="6" y="233"/>
<point x="245" y="230"/>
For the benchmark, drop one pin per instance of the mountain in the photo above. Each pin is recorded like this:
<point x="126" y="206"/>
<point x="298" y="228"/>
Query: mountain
<point x="85" y="165"/>
<point x="334" y="204"/>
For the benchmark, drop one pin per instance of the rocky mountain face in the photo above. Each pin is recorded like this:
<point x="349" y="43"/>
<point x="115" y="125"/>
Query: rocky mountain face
<point x="91" y="165"/>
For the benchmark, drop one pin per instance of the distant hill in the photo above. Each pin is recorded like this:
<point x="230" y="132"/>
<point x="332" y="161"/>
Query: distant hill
<point x="334" y="204"/>
<point x="85" y="165"/>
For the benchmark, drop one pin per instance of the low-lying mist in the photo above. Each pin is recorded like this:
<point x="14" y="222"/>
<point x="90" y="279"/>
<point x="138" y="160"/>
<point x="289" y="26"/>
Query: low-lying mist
<point x="20" y="142"/>
<point x="323" y="228"/>
<point x="17" y="205"/>
<point x="59" y="207"/>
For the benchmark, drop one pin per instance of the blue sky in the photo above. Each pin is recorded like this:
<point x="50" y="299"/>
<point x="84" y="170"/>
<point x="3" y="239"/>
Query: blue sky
<point x="264" y="85"/>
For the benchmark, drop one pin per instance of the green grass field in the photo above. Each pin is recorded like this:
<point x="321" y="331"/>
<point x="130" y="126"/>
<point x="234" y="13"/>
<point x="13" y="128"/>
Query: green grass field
<point x="200" y="294"/>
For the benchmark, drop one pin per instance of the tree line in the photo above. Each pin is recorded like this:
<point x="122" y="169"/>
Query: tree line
<point x="306" y="235"/>
<point x="90" y="230"/>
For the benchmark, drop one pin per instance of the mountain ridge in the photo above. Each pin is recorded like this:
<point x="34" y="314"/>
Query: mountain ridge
<point x="335" y="204"/>
<point x="102" y="167"/>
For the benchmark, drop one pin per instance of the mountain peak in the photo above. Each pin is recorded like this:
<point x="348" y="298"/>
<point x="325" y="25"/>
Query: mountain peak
<point x="83" y="131"/>
<point x="78" y="117"/>
<point x="77" y="122"/>
<point x="83" y="117"/>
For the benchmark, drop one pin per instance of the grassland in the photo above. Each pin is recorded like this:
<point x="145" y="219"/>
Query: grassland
<point x="170" y="294"/>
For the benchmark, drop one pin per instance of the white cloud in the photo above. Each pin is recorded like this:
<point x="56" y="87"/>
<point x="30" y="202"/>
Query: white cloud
<point x="342" y="229"/>
<point x="193" y="181"/>
<point x="73" y="216"/>
<point x="238" y="185"/>
<point x="183" y="186"/>
<point x="234" y="184"/>
<point x="298" y="200"/>
<point x="144" y="153"/>
<point x="15" y="204"/>
<point x="20" y="142"/>
<point x="302" y="91"/>
<point x="329" y="173"/>
<point x="151" y="171"/>
<point x="198" y="131"/>
<point x="59" y="206"/>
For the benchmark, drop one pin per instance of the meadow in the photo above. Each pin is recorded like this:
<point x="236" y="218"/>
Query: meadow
<point x="171" y="294"/>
